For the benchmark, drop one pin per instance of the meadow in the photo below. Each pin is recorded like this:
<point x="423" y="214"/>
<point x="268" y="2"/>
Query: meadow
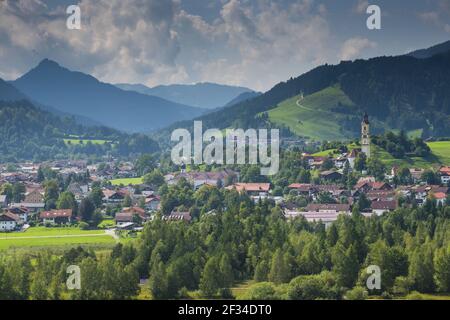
<point x="311" y="116"/>
<point x="440" y="156"/>
<point x="126" y="181"/>
<point x="53" y="237"/>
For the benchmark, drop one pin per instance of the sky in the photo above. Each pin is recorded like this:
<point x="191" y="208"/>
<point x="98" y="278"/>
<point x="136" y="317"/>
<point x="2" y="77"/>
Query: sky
<point x="251" y="43"/>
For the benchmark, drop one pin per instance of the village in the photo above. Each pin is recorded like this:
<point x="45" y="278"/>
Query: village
<point x="132" y="205"/>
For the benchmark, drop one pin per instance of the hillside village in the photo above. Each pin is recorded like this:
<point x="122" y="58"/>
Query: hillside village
<point x="76" y="192"/>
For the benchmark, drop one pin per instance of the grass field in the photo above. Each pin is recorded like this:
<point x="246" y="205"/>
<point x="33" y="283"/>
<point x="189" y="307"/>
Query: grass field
<point x="50" y="237"/>
<point x="440" y="150"/>
<point x="312" y="116"/>
<point x="126" y="181"/>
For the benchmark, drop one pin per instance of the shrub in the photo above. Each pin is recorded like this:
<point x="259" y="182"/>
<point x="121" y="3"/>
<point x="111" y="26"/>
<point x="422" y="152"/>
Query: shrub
<point x="83" y="225"/>
<point x="357" y="293"/>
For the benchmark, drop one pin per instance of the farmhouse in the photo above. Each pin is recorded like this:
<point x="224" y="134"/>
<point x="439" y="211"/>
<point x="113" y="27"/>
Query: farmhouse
<point x="253" y="189"/>
<point x="331" y="175"/>
<point x="34" y="201"/>
<point x="152" y="203"/>
<point x="445" y="174"/>
<point x="56" y="216"/>
<point x="21" y="212"/>
<point x="178" y="216"/>
<point x="8" y="221"/>
<point x="440" y="197"/>
<point x="313" y="216"/>
<point x="380" y="207"/>
<point x="130" y="215"/>
<point x="328" y="208"/>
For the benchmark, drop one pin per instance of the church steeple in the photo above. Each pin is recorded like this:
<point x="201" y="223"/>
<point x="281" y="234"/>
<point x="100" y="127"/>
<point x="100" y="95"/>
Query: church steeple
<point x="366" y="118"/>
<point x="365" y="135"/>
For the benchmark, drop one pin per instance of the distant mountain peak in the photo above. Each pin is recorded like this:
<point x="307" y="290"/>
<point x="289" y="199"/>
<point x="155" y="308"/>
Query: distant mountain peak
<point x="205" y="95"/>
<point x="47" y="63"/>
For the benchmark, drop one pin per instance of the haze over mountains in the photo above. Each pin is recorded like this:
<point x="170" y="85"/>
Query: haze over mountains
<point x="81" y="94"/>
<point x="202" y="95"/>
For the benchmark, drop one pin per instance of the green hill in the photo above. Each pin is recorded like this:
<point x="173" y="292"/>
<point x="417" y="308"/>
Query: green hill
<point x="440" y="156"/>
<point x="317" y="116"/>
<point x="402" y="93"/>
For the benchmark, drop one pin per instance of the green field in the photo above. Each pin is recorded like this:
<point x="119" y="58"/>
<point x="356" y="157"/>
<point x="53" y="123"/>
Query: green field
<point x="49" y="237"/>
<point x="126" y="181"/>
<point x="440" y="150"/>
<point x="85" y="141"/>
<point x="311" y="116"/>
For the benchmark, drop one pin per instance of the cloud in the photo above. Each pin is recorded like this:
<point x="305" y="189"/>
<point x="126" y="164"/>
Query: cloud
<point x="253" y="43"/>
<point x="361" y="6"/>
<point x="438" y="17"/>
<point x="353" y="47"/>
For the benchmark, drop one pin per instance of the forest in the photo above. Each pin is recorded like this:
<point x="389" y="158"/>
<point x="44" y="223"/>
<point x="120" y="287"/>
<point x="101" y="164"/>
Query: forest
<point x="232" y="239"/>
<point x="29" y="133"/>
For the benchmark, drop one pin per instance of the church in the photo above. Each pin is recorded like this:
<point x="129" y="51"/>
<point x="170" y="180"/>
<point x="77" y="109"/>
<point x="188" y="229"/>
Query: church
<point x="365" y="136"/>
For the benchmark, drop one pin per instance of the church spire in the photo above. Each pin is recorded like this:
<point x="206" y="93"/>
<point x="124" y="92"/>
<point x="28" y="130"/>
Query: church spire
<point x="366" y="118"/>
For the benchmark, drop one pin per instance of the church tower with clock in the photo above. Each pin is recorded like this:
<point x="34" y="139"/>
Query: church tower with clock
<point x="365" y="136"/>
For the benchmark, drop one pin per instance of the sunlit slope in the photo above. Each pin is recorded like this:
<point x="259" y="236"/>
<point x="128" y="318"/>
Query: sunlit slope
<point x="319" y="116"/>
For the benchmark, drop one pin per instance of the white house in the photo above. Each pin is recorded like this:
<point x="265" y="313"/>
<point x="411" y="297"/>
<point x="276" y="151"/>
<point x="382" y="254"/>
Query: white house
<point x="8" y="222"/>
<point x="3" y="202"/>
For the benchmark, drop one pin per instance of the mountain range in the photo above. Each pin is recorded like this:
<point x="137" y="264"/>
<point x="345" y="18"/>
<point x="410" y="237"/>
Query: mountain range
<point x="201" y="95"/>
<point x="400" y="92"/>
<point x="81" y="94"/>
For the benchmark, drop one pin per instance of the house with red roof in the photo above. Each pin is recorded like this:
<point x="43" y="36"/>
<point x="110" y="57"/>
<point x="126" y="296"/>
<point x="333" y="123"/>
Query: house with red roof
<point x="56" y="216"/>
<point x="444" y="172"/>
<point x="9" y="221"/>
<point x="254" y="189"/>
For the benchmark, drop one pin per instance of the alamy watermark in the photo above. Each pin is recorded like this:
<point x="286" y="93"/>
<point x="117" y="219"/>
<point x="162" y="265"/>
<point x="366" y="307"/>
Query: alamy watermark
<point x="374" y="20"/>
<point x="74" y="280"/>
<point x="374" y="280"/>
<point x="73" y="22"/>
<point x="237" y="141"/>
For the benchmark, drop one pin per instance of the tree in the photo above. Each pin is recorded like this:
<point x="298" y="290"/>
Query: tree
<point x="226" y="271"/>
<point x="86" y="209"/>
<point x="260" y="291"/>
<point x="357" y="293"/>
<point x="154" y="178"/>
<point x="210" y="281"/>
<point x="158" y="283"/>
<point x="363" y="202"/>
<point x="144" y="164"/>
<point x="442" y="269"/>
<point x="127" y="202"/>
<point x="51" y="194"/>
<point x="279" y="269"/>
<point x="421" y="269"/>
<point x="360" y="162"/>
<point x="376" y="168"/>
<point x="18" y="190"/>
<point x="345" y="265"/>
<point x="66" y="200"/>
<point x="430" y="177"/>
<point x="96" y="196"/>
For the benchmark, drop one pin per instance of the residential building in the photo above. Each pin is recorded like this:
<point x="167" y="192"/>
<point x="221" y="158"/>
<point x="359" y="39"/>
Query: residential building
<point x="56" y="216"/>
<point x="8" y="221"/>
<point x="380" y="207"/>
